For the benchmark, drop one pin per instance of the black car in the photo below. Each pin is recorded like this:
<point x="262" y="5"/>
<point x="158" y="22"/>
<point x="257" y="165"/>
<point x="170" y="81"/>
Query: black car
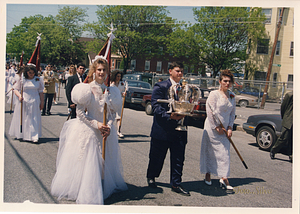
<point x="135" y="90"/>
<point x="265" y="128"/>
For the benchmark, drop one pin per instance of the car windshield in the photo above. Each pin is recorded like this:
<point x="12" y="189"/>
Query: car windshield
<point x="236" y="92"/>
<point x="139" y="84"/>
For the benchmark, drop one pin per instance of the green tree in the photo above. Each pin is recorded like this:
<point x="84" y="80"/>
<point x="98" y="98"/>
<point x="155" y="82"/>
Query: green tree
<point x="59" y="43"/>
<point x="220" y="37"/>
<point x="72" y="20"/>
<point x="141" y="30"/>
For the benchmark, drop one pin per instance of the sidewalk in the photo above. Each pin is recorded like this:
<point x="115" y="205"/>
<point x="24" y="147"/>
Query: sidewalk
<point x="242" y="114"/>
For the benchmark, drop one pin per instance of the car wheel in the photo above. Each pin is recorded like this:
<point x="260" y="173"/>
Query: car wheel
<point x="265" y="137"/>
<point x="148" y="108"/>
<point x="243" y="103"/>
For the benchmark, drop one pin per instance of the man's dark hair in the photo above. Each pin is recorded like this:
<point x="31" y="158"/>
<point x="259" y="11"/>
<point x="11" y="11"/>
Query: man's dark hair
<point x="80" y="64"/>
<point x="175" y="64"/>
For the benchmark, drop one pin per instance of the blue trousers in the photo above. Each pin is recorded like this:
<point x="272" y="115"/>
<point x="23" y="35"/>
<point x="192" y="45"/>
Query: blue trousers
<point x="158" y="151"/>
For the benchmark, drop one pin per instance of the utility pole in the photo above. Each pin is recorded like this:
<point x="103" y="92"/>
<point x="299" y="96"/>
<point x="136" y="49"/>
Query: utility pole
<point x="271" y="61"/>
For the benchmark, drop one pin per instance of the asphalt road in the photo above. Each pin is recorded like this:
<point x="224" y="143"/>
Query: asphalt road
<point x="29" y="168"/>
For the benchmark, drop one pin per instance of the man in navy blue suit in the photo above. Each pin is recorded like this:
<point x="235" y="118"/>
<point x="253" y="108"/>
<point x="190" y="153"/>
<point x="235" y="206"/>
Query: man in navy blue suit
<point x="164" y="136"/>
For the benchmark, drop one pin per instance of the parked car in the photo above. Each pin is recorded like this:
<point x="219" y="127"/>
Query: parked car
<point x="146" y="77"/>
<point x="265" y="128"/>
<point x="135" y="90"/>
<point x="199" y="109"/>
<point x="237" y="85"/>
<point x="252" y="91"/>
<point x="244" y="100"/>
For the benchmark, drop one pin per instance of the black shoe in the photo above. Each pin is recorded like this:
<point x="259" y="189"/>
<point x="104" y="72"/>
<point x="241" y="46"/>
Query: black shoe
<point x="272" y="155"/>
<point x="179" y="189"/>
<point x="151" y="182"/>
<point x="43" y="114"/>
<point x="49" y="113"/>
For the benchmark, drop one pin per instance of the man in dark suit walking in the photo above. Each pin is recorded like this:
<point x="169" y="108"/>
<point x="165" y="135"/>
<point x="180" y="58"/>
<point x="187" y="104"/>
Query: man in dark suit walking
<point x="287" y="127"/>
<point x="164" y="136"/>
<point x="72" y="81"/>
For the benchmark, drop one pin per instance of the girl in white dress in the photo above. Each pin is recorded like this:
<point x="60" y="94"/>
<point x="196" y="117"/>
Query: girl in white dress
<point x="116" y="80"/>
<point x="33" y="100"/>
<point x="81" y="172"/>
<point x="215" y="147"/>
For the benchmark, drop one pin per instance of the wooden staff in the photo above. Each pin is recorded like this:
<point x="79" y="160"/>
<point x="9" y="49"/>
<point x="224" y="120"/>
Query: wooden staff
<point x="9" y="91"/>
<point x="12" y="100"/>
<point x="104" y="123"/>
<point x="21" y="122"/>
<point x="216" y="117"/>
<point x="122" y="112"/>
<point x="69" y="115"/>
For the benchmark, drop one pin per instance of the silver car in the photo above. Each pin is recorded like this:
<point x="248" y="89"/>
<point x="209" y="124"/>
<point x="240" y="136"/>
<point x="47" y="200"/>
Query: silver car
<point x="244" y="100"/>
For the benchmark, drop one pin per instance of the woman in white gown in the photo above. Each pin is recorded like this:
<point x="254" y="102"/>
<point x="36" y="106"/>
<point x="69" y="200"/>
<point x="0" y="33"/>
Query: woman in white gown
<point x="215" y="147"/>
<point x="81" y="172"/>
<point x="116" y="80"/>
<point x="33" y="99"/>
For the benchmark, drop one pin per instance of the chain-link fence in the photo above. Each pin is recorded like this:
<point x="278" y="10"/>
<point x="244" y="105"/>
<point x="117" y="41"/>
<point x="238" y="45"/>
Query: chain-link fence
<point x="255" y="88"/>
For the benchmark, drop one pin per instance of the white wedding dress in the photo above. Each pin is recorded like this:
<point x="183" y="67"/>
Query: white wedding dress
<point x="81" y="172"/>
<point x="31" y="113"/>
<point x="215" y="148"/>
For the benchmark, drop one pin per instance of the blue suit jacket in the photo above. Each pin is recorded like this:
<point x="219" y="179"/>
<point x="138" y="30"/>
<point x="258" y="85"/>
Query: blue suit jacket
<point x="163" y="127"/>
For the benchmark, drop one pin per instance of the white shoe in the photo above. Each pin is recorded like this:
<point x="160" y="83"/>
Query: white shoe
<point x="35" y="141"/>
<point x="208" y="182"/>
<point x="222" y="183"/>
<point x="120" y="135"/>
<point x="55" y="102"/>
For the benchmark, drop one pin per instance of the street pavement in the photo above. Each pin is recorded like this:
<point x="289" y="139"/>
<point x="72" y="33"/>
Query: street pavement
<point x="29" y="168"/>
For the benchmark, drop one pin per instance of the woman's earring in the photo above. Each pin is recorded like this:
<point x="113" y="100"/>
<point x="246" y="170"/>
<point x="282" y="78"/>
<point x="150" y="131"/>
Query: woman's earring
<point x="94" y="76"/>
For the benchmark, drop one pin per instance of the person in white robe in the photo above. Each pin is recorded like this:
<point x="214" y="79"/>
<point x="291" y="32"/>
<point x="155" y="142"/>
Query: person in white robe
<point x="82" y="174"/>
<point x="29" y="91"/>
<point x="215" y="147"/>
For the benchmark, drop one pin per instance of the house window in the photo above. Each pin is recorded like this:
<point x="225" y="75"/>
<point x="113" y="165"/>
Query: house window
<point x="274" y="80"/>
<point x="290" y="81"/>
<point x="279" y="12"/>
<point x="292" y="49"/>
<point x="260" y="75"/>
<point x="147" y="65"/>
<point x="268" y="14"/>
<point x="118" y="64"/>
<point x="133" y="64"/>
<point x="158" y="66"/>
<point x="113" y="63"/>
<point x="262" y="46"/>
<point x="277" y="51"/>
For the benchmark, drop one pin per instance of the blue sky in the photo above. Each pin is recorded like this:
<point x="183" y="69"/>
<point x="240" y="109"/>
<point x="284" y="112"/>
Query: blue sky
<point x="15" y="12"/>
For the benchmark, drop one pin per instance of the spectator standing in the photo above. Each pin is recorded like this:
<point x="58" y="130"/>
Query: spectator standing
<point x="286" y="137"/>
<point x="72" y="81"/>
<point x="49" y="77"/>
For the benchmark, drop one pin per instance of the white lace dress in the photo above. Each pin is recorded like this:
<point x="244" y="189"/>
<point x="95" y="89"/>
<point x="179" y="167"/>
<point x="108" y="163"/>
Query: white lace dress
<point x="215" y="148"/>
<point x="81" y="172"/>
<point x="31" y="116"/>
